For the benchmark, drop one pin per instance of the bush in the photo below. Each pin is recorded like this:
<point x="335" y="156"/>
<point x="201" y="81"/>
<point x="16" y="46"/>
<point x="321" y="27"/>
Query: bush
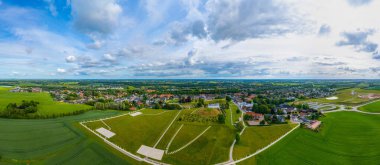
<point x="20" y="111"/>
<point x="239" y="126"/>
<point x="221" y="119"/>
<point x="237" y="137"/>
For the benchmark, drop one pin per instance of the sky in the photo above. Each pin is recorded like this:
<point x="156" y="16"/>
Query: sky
<point x="248" y="39"/>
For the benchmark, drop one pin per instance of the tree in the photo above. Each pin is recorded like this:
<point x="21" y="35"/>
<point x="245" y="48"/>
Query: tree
<point x="228" y="99"/>
<point x="239" y="126"/>
<point x="221" y="118"/>
<point x="262" y="122"/>
<point x="237" y="137"/>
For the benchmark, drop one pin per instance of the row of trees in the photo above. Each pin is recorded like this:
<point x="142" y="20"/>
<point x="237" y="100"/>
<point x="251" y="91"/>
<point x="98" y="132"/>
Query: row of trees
<point x="169" y="106"/>
<point x="112" y="105"/>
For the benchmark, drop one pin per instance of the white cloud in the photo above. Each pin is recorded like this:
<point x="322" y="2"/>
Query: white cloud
<point x="71" y="59"/>
<point x="96" y="16"/>
<point x="109" y="57"/>
<point x="60" y="70"/>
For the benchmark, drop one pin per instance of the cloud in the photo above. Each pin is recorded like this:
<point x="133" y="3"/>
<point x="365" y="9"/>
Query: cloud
<point x="60" y="70"/>
<point x="327" y="63"/>
<point x="52" y="8"/>
<point x="240" y="20"/>
<point x="190" y="60"/>
<point x="70" y="59"/>
<point x="95" y="45"/>
<point x="359" y="40"/>
<point x="376" y="55"/>
<point x="96" y="16"/>
<point x="109" y="57"/>
<point x="324" y="30"/>
<point x="359" y="2"/>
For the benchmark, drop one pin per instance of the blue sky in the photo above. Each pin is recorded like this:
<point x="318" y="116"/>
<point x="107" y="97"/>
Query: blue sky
<point x="189" y="39"/>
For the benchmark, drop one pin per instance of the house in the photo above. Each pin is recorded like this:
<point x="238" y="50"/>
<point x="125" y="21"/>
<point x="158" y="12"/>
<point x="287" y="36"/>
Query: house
<point x="256" y="118"/>
<point x="214" y="106"/>
<point x="314" y="124"/>
<point x="36" y="90"/>
<point x="17" y="89"/>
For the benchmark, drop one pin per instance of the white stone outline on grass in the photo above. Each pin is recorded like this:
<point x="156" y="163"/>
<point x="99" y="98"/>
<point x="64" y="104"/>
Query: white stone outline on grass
<point x="260" y="150"/>
<point x="162" y="135"/>
<point x="192" y="141"/>
<point x="135" y="114"/>
<point x="109" y="128"/>
<point x="151" y="152"/>
<point x="105" y="132"/>
<point x="115" y="146"/>
<point x="171" y="140"/>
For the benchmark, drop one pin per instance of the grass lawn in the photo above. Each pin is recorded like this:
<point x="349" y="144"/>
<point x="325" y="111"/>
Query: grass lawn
<point x="345" y="138"/>
<point x="345" y="97"/>
<point x="47" y="105"/>
<point x="257" y="137"/>
<point x="235" y="116"/>
<point x="373" y="107"/>
<point x="55" y="141"/>
<point x="185" y="135"/>
<point x="212" y="147"/>
<point x="132" y="132"/>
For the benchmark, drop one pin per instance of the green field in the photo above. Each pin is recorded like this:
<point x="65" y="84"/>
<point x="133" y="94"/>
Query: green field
<point x="55" y="141"/>
<point x="255" y="138"/>
<point x="132" y="132"/>
<point x="47" y="105"/>
<point x="345" y="97"/>
<point x="345" y="138"/>
<point x="372" y="107"/>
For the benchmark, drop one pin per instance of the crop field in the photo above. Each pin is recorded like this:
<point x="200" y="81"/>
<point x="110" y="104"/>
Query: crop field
<point x="47" y="105"/>
<point x="55" y="141"/>
<point x="372" y="107"/>
<point x="346" y="97"/>
<point x="345" y="138"/>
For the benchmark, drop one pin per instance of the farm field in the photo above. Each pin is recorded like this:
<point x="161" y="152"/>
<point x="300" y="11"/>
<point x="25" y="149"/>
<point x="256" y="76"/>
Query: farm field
<point x="55" y="141"/>
<point x="372" y="107"/>
<point x="349" y="136"/>
<point x="345" y="97"/>
<point x="47" y="105"/>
